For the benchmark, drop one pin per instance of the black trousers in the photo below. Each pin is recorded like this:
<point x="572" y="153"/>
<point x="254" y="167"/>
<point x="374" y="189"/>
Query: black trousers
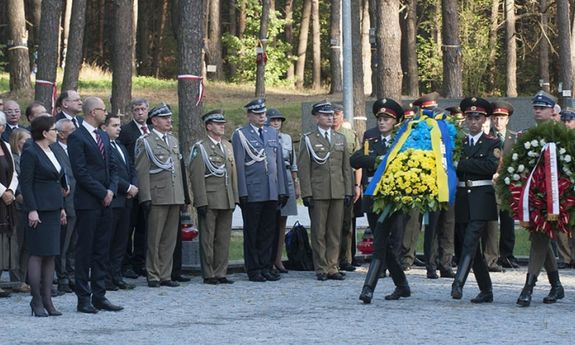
<point x="137" y="240"/>
<point x="119" y="240"/>
<point x="387" y="238"/>
<point x="259" y="228"/>
<point x="507" y="238"/>
<point x="471" y="251"/>
<point x="92" y="250"/>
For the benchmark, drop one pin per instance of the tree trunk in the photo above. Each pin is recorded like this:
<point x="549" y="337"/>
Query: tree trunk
<point x="316" y="40"/>
<point x="335" y="43"/>
<point x="366" y="47"/>
<point x="159" y="39"/>
<point x="134" y="36"/>
<point x="215" y="39"/>
<point x="261" y="66"/>
<point x="144" y="48"/>
<point x="65" y="33"/>
<point x="452" y="81"/>
<point x="493" y="43"/>
<point x="33" y="12"/>
<point x="544" y="48"/>
<point x="412" y="77"/>
<point x="75" y="43"/>
<point x="101" y="39"/>
<point x="288" y="31"/>
<point x="357" y="65"/>
<point x="389" y="74"/>
<point x="373" y="47"/>
<point x="302" y="44"/>
<point x="122" y="57"/>
<point x="190" y="43"/>
<point x="564" y="39"/>
<point x="243" y="19"/>
<point x="48" y="52"/>
<point x="511" y="70"/>
<point x="232" y="13"/>
<point x="18" y="58"/>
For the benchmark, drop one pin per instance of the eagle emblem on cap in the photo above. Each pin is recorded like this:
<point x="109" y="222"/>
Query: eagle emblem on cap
<point x="474" y="100"/>
<point x="384" y="100"/>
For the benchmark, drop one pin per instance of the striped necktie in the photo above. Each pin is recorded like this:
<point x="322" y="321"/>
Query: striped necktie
<point x="100" y="144"/>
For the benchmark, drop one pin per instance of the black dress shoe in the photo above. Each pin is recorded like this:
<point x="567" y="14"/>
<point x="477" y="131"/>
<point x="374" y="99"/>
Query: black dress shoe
<point x="130" y="274"/>
<point x="456" y="291"/>
<point x="483" y="297"/>
<point x="225" y="280"/>
<point x="57" y="293"/>
<point x="211" y="281"/>
<point x="336" y="276"/>
<point x="86" y="307"/>
<point x="169" y="283"/>
<point x="400" y="291"/>
<point x="432" y="273"/>
<point x="122" y="285"/>
<point x="257" y="278"/>
<point x="153" y="283"/>
<point x="355" y="263"/>
<point x="562" y="265"/>
<point x="282" y="270"/>
<point x="111" y="287"/>
<point x="270" y="276"/>
<point x="141" y="271"/>
<point x="181" y="279"/>
<point x="4" y="293"/>
<point x="418" y="262"/>
<point x="65" y="288"/>
<point x="496" y="268"/>
<point x="347" y="267"/>
<point x="104" y="304"/>
<point x="321" y="276"/>
<point x="366" y="295"/>
<point x="446" y="273"/>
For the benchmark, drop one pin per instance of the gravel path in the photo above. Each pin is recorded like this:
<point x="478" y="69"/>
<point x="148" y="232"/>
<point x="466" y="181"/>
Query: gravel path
<point x="300" y="310"/>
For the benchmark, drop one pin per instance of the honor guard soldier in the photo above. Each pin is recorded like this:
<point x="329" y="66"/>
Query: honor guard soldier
<point x="213" y="177"/>
<point x="262" y="188"/>
<point x="387" y="235"/>
<point x="158" y="165"/>
<point x="325" y="179"/>
<point x="475" y="203"/>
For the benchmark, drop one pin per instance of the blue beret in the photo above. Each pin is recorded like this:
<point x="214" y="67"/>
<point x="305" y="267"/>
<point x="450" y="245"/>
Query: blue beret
<point x="257" y="106"/>
<point x="214" y="116"/>
<point x="543" y="99"/>
<point x="324" y="107"/>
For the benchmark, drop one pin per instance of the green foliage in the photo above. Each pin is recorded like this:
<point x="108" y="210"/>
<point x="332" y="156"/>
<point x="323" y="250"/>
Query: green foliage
<point x="242" y="50"/>
<point x="3" y="62"/>
<point x="429" y="57"/>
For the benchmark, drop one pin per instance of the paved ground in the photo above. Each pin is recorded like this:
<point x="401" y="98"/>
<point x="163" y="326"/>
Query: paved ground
<point x="300" y="310"/>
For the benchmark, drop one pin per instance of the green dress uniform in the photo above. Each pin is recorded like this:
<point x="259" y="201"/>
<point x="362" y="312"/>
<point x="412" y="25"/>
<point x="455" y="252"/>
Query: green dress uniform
<point x="325" y="177"/>
<point x="158" y="165"/>
<point x="214" y="184"/>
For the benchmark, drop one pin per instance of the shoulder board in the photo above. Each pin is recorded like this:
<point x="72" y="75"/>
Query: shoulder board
<point x="306" y="134"/>
<point x="490" y="137"/>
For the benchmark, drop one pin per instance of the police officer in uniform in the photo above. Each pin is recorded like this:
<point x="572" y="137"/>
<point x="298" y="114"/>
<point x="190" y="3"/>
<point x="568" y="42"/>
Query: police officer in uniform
<point x="158" y="165"/>
<point x="389" y="233"/>
<point x="262" y="188"/>
<point x="325" y="179"/>
<point x="475" y="202"/>
<point x="213" y="177"/>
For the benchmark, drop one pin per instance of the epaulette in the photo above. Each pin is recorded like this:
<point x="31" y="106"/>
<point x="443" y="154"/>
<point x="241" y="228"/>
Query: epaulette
<point x="489" y="136"/>
<point x="306" y="134"/>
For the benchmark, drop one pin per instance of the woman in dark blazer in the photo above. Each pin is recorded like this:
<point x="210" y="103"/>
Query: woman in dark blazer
<point x="43" y="186"/>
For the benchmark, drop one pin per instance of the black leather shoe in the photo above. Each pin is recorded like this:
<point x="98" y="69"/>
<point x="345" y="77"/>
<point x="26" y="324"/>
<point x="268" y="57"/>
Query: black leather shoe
<point x="336" y="276"/>
<point x="122" y="285"/>
<point x="111" y="287"/>
<point x="346" y="266"/>
<point x="225" y="280"/>
<point x="496" y="268"/>
<point x="432" y="273"/>
<point x="270" y="276"/>
<point x="153" y="283"/>
<point x="181" y="279"/>
<point x="418" y="262"/>
<point x="211" y="281"/>
<point x="355" y="263"/>
<point x="483" y="297"/>
<point x="562" y="265"/>
<point x="86" y="307"/>
<point x="141" y="271"/>
<point x="257" y="278"/>
<point x="321" y="276"/>
<point x="57" y="293"/>
<point x="366" y="295"/>
<point x="446" y="273"/>
<point x="65" y="288"/>
<point x="104" y="304"/>
<point x="130" y="274"/>
<point x="169" y="283"/>
<point x="400" y="291"/>
<point x="456" y="291"/>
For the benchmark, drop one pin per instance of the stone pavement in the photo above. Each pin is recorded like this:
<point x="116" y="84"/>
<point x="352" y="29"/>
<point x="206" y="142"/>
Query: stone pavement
<point x="301" y="310"/>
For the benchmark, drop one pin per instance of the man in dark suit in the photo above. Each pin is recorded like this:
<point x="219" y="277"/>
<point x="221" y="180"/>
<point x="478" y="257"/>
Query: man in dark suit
<point x="65" y="262"/>
<point x="136" y="249"/>
<point x="475" y="203"/>
<point x="12" y="111"/>
<point x="121" y="205"/>
<point x="96" y="175"/>
<point x="69" y="104"/>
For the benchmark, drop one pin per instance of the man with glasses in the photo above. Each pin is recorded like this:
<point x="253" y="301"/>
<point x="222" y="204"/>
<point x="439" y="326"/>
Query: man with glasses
<point x="12" y="111"/>
<point x="69" y="105"/>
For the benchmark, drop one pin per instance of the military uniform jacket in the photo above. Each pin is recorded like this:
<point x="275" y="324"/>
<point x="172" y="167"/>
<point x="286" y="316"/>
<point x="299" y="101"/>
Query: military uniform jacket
<point x="331" y="180"/>
<point x="262" y="180"/>
<point x="366" y="156"/>
<point x="216" y="192"/>
<point x="164" y="184"/>
<point x="478" y="162"/>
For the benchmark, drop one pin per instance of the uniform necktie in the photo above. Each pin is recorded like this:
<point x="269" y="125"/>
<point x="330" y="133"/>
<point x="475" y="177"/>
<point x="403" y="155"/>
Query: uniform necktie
<point x="327" y="136"/>
<point x="261" y="133"/>
<point x="471" y="142"/>
<point x="165" y="137"/>
<point x="145" y="129"/>
<point x="500" y="136"/>
<point x="100" y="143"/>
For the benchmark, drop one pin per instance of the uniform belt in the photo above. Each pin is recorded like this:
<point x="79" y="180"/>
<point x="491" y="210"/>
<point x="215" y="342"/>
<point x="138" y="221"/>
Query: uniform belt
<point x="476" y="183"/>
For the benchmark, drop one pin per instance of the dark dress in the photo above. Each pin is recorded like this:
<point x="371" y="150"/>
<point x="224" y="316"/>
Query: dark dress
<point x="41" y="187"/>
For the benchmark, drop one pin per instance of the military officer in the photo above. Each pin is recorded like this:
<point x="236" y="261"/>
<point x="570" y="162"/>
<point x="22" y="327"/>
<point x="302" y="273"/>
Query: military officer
<point x="389" y="233"/>
<point x="262" y="188"/>
<point x="213" y="177"/>
<point x="475" y="197"/>
<point x="326" y="188"/>
<point x="159" y="170"/>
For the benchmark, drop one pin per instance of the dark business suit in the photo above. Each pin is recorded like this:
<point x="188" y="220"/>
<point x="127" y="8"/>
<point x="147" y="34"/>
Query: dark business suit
<point x="121" y="209"/>
<point x="137" y="236"/>
<point x="95" y="175"/>
<point x="65" y="263"/>
<point x="7" y="131"/>
<point x="79" y="119"/>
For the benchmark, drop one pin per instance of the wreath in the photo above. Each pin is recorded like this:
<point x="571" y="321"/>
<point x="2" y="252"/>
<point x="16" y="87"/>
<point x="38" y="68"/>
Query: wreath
<point x="536" y="181"/>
